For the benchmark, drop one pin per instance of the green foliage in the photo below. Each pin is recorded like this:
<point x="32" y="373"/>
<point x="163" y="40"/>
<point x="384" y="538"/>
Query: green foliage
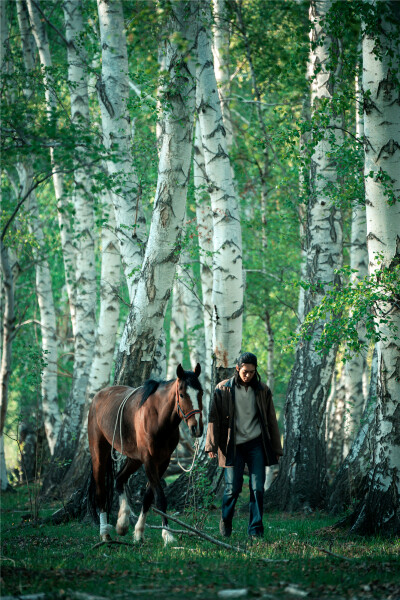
<point x="345" y="307"/>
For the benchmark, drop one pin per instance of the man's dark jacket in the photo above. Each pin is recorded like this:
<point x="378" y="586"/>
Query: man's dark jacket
<point x="221" y="423"/>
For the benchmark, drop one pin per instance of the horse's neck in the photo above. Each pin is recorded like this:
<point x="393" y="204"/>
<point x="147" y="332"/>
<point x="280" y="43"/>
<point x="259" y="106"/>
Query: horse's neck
<point x="168" y="412"/>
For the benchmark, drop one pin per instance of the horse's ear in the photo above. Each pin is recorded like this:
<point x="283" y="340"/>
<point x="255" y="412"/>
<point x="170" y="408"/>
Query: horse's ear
<point x="180" y="373"/>
<point x="197" y="370"/>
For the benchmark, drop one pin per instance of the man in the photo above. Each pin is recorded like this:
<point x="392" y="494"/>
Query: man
<point x="242" y="430"/>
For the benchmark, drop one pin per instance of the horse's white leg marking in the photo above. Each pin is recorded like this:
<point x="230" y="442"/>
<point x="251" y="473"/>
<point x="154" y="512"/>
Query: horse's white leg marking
<point x="139" y="527"/>
<point x="105" y="529"/>
<point x="167" y="537"/>
<point x="122" y="525"/>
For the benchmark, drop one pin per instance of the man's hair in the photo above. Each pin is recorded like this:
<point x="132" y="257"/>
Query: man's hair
<point x="247" y="358"/>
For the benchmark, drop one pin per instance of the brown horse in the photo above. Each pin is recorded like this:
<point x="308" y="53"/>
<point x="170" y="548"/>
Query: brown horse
<point x="142" y="424"/>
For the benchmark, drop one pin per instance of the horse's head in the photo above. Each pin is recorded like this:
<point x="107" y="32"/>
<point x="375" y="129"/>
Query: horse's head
<point x="189" y="399"/>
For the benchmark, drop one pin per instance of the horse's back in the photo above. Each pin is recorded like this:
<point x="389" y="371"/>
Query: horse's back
<point x="104" y="408"/>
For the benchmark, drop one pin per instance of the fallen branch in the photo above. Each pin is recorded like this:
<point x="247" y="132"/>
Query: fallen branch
<point x="201" y="534"/>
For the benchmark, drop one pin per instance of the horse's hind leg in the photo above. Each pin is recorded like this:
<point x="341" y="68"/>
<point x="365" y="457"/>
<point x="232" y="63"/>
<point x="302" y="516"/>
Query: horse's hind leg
<point x="121" y="479"/>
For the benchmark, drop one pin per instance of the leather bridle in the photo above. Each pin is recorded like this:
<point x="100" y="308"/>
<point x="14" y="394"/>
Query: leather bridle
<point x="179" y="409"/>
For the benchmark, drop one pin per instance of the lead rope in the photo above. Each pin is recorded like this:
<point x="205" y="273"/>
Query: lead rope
<point x="196" y="451"/>
<point x="119" y="416"/>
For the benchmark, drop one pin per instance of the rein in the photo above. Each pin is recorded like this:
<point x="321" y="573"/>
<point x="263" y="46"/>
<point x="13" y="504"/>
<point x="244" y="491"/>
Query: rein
<point x="119" y="416"/>
<point x="179" y="408"/>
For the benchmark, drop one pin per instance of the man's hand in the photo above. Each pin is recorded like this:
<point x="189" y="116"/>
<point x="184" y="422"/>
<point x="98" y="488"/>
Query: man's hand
<point x="212" y="455"/>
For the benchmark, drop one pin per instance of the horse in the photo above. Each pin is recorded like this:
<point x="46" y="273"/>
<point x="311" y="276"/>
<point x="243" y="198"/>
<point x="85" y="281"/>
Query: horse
<point x="143" y="425"/>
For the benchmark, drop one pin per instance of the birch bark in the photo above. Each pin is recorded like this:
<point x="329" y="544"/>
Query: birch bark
<point x="379" y="511"/>
<point x="220" y="49"/>
<point x="227" y="236"/>
<point x="48" y="328"/>
<point x="193" y="313"/>
<point x="85" y="274"/>
<point x="176" y="330"/>
<point x="113" y="93"/>
<point x="205" y="235"/>
<point x="356" y="367"/>
<point x="144" y="323"/>
<point x="106" y="335"/>
<point x="40" y="34"/>
<point x="8" y="331"/>
<point x="49" y="387"/>
<point x="350" y="483"/>
<point x="301" y="482"/>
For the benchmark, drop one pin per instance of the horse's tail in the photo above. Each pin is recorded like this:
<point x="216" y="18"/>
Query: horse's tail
<point x="109" y="484"/>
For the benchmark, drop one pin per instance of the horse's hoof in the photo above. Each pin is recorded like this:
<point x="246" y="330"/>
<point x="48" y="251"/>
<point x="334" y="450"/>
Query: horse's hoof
<point x="123" y="530"/>
<point x="106" y="537"/>
<point x="167" y="537"/>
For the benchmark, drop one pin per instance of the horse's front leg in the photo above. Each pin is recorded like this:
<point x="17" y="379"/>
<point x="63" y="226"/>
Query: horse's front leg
<point x="154" y="476"/>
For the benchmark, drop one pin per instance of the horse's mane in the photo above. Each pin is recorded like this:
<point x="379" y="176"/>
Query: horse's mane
<point x="151" y="385"/>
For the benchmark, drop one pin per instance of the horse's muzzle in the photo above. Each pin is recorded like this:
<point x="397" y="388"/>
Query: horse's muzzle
<point x="196" y="430"/>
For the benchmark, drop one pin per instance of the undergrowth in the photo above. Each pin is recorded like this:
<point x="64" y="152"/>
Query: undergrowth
<point x="61" y="561"/>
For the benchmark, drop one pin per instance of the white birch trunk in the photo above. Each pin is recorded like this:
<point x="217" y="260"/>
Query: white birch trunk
<point x="39" y="32"/>
<point x="193" y="313"/>
<point x="227" y="259"/>
<point x="144" y="324"/>
<point x="48" y="328"/>
<point x="351" y="480"/>
<point x="106" y="335"/>
<point x="50" y="409"/>
<point x="8" y="331"/>
<point x="380" y="509"/>
<point x="205" y="233"/>
<point x="113" y="92"/>
<point x="356" y="368"/>
<point x="220" y="49"/>
<point x="107" y="326"/>
<point x="176" y="330"/>
<point x="270" y="351"/>
<point x="85" y="277"/>
<point x="302" y="480"/>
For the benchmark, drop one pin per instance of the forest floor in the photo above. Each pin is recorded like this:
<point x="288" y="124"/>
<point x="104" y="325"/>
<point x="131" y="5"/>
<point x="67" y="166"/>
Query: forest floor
<point x="300" y="556"/>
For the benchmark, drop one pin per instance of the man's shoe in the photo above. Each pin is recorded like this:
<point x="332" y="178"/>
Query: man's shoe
<point x="225" y="529"/>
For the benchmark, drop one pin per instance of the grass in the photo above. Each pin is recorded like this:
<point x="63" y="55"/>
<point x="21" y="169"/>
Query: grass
<point x="61" y="561"/>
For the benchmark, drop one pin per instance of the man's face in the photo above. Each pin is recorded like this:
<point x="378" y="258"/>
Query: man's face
<point x="246" y="372"/>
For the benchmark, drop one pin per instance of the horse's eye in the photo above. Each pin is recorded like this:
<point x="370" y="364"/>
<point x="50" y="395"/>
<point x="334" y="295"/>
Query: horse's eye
<point x="180" y="396"/>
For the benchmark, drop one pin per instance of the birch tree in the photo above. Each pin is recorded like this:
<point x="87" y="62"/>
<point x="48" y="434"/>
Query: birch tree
<point x="113" y="92"/>
<point x="379" y="510"/>
<point x="144" y="323"/>
<point x="220" y="49"/>
<point x="227" y="238"/>
<point x="106" y="334"/>
<point x="205" y="236"/>
<point x="85" y="273"/>
<point x="50" y="409"/>
<point x="40" y="34"/>
<point x="356" y="367"/>
<point x="301" y="482"/>
<point x="351" y="480"/>
<point x="176" y="330"/>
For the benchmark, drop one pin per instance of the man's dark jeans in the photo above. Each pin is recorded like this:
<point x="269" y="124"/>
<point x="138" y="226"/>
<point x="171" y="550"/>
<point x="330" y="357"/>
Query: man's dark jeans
<point x="252" y="454"/>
